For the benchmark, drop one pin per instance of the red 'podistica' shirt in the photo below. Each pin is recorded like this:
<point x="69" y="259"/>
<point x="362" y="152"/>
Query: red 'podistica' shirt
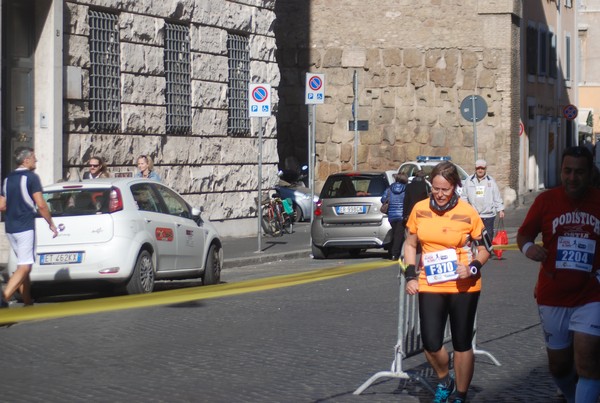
<point x="571" y="235"/>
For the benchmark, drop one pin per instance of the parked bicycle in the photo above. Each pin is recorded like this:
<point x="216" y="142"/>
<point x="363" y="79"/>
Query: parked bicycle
<point x="277" y="216"/>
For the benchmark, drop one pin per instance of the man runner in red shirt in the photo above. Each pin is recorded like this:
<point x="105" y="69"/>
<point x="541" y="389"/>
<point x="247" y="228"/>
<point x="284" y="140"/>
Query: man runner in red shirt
<point x="568" y="286"/>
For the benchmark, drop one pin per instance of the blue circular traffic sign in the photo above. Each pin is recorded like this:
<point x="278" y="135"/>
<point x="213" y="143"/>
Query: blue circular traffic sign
<point x="260" y="94"/>
<point x="473" y="108"/>
<point x="315" y="83"/>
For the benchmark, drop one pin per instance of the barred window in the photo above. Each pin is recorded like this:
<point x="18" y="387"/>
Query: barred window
<point x="179" y="79"/>
<point x="238" y="122"/>
<point x="105" y="72"/>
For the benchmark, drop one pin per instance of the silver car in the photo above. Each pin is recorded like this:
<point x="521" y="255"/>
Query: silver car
<point x="128" y="232"/>
<point x="348" y="214"/>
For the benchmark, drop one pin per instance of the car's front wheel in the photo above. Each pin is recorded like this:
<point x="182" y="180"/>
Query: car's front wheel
<point x="319" y="253"/>
<point x="212" y="269"/>
<point x="142" y="279"/>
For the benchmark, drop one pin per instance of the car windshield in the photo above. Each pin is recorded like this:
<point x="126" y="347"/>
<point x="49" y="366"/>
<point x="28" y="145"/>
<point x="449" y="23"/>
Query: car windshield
<point x="354" y="186"/>
<point x="74" y="202"/>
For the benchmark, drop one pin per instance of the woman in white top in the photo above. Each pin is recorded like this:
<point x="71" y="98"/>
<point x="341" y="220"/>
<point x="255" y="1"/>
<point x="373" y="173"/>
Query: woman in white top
<point x="146" y="167"/>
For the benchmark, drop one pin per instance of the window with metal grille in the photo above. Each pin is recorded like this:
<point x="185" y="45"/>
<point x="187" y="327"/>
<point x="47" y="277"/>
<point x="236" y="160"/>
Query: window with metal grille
<point x="238" y="122"/>
<point x="105" y="72"/>
<point x="179" y="79"/>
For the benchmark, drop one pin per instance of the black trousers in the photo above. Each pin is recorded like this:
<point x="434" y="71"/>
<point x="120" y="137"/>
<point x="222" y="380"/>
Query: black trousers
<point x="434" y="310"/>
<point x="398" y="228"/>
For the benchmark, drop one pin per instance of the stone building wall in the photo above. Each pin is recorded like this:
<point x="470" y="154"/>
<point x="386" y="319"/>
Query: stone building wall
<point x="416" y="62"/>
<point x="209" y="167"/>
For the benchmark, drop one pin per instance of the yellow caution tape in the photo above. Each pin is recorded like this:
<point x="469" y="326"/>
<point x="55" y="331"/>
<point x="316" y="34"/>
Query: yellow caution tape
<point x="512" y="246"/>
<point x="65" y="309"/>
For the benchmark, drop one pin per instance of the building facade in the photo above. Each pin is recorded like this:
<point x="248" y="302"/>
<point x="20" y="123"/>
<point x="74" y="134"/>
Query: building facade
<point x="416" y="62"/>
<point x="167" y="79"/>
<point x="549" y="91"/>
<point x="588" y="61"/>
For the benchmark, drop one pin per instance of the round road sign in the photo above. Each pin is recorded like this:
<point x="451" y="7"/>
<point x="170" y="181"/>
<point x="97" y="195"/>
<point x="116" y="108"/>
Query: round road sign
<point x="473" y="106"/>
<point x="260" y="94"/>
<point x="570" y="112"/>
<point x="315" y="83"/>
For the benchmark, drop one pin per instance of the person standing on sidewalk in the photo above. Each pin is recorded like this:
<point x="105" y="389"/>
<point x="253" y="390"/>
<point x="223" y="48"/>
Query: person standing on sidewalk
<point x="22" y="193"/>
<point x="98" y="169"/>
<point x="448" y="283"/>
<point x="568" y="286"/>
<point x="395" y="195"/>
<point x="482" y="192"/>
<point x="146" y="168"/>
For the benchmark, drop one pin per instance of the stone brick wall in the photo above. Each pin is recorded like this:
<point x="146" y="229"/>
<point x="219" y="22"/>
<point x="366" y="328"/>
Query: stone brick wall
<point x="209" y="167"/>
<point x="416" y="62"/>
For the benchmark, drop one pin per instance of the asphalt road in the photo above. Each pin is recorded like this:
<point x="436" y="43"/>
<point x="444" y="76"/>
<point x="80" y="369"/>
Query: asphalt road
<point x="313" y="342"/>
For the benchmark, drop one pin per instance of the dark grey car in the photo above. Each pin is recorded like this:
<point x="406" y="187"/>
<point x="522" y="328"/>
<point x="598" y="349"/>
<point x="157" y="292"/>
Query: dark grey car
<point x="348" y="214"/>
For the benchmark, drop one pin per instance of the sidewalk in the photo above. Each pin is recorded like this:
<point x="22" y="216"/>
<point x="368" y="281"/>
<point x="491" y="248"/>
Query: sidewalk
<point x="244" y="251"/>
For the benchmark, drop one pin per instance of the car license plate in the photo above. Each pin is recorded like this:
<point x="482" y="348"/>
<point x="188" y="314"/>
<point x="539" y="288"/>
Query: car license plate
<point x="350" y="209"/>
<point x="61" y="258"/>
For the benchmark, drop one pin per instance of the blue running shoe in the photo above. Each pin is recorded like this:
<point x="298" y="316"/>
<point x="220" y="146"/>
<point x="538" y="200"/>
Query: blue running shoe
<point x="458" y="400"/>
<point x="442" y="392"/>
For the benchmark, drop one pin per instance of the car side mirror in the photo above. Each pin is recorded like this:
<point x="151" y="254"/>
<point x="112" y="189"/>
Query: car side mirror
<point x="196" y="212"/>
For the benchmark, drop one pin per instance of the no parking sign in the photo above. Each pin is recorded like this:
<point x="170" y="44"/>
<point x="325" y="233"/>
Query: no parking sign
<point x="259" y="100"/>
<point x="315" y="89"/>
<point x="570" y="112"/>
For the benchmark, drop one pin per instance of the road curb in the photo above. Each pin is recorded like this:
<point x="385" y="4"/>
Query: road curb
<point x="262" y="257"/>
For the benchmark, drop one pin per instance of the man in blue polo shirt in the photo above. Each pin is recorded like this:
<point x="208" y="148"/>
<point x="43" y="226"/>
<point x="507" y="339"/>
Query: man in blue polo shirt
<point x="22" y="192"/>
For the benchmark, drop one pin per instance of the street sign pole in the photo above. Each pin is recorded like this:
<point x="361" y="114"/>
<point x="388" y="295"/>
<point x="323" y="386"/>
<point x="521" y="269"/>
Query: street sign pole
<point x="355" y="117"/>
<point x="259" y="198"/>
<point x="313" y="156"/>
<point x="473" y="108"/>
<point x="259" y="105"/>
<point x="314" y="94"/>
<point x="474" y="127"/>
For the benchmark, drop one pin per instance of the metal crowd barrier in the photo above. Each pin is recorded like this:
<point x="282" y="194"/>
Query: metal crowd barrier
<point x="409" y="341"/>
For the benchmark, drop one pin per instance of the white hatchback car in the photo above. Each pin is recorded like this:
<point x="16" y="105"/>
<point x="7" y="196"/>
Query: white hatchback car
<point x="125" y="231"/>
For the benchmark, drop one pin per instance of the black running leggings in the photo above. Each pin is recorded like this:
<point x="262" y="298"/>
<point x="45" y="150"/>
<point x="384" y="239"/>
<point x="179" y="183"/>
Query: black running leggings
<point x="434" y="309"/>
